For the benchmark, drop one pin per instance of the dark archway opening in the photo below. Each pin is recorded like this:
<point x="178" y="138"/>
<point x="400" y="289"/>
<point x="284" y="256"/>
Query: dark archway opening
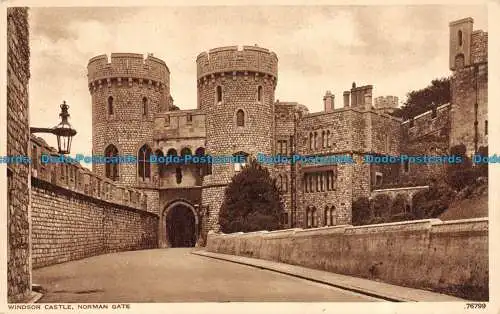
<point x="181" y="227"/>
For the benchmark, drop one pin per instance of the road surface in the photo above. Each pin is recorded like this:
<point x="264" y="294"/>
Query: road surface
<point x="175" y="275"/>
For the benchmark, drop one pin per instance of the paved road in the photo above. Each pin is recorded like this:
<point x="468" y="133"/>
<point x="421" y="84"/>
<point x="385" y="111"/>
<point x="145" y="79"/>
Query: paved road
<point x="175" y="275"/>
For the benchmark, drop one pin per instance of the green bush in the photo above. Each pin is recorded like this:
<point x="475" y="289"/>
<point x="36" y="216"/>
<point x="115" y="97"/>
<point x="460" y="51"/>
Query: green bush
<point x="381" y="205"/>
<point x="432" y="203"/>
<point x="398" y="204"/>
<point x="252" y="202"/>
<point x="462" y="174"/>
<point x="483" y="167"/>
<point x="361" y="213"/>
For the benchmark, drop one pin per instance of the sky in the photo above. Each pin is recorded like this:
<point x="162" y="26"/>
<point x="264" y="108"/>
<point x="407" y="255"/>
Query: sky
<point x="395" y="48"/>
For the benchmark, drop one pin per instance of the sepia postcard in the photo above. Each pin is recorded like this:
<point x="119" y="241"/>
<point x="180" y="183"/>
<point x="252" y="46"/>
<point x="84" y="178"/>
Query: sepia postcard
<point x="249" y="157"/>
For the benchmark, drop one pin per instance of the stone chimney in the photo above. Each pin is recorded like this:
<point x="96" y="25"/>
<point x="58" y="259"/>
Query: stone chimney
<point x="347" y="95"/>
<point x="368" y="96"/>
<point x="329" y="101"/>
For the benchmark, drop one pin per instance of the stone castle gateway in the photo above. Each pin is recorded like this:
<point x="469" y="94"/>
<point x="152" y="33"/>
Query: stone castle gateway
<point x="58" y="213"/>
<point x="237" y="114"/>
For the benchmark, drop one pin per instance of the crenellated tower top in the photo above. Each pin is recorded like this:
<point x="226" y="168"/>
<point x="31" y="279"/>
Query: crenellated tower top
<point x="232" y="59"/>
<point x="126" y="68"/>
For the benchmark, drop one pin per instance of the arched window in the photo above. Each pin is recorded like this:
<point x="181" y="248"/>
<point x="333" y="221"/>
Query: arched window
<point x="308" y="217"/>
<point x="219" y="93"/>
<point x="159" y="154"/>
<point x="199" y="152"/>
<point x="315" y="140"/>
<point x="485" y="127"/>
<point x="144" y="106"/>
<point x="178" y="175"/>
<point x="310" y="141"/>
<point x="110" y="105"/>
<point x="327" y="138"/>
<point x="460" y="39"/>
<point x="313" y="217"/>
<point x="241" y="162"/>
<point x="323" y="140"/>
<point x="240" y="118"/>
<point x="259" y="93"/>
<point x="186" y="151"/>
<point x="326" y="217"/>
<point x="111" y="169"/>
<point x="333" y="217"/>
<point x="172" y="152"/>
<point x="331" y="180"/>
<point x="144" y="165"/>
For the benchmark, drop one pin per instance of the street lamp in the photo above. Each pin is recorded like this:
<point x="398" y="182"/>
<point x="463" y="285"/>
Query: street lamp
<point x="63" y="131"/>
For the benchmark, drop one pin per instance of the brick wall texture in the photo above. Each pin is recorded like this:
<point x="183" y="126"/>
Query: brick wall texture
<point x="68" y="226"/>
<point x="18" y="199"/>
<point x="449" y="257"/>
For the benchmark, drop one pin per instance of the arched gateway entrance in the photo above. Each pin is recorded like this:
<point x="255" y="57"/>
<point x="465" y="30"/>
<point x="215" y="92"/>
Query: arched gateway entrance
<point x="179" y="225"/>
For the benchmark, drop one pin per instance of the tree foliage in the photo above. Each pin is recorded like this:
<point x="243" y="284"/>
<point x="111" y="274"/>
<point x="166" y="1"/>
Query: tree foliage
<point x="361" y="213"/>
<point x="432" y="203"/>
<point x="422" y="100"/>
<point x="461" y="174"/>
<point x="252" y="202"/>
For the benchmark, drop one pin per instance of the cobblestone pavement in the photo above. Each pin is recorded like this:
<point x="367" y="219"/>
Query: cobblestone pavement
<point x="175" y="275"/>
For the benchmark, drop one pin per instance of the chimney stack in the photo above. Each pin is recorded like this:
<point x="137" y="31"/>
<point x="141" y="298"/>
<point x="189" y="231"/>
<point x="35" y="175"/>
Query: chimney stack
<point x="368" y="97"/>
<point x="347" y="95"/>
<point x="329" y="101"/>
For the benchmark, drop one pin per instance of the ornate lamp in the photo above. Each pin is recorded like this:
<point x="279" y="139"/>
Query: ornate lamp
<point x="64" y="131"/>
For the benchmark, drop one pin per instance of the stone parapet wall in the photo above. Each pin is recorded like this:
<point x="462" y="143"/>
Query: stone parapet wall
<point x="393" y="192"/>
<point x="428" y="123"/>
<point x="74" y="177"/>
<point x="449" y="257"/>
<point x="68" y="225"/>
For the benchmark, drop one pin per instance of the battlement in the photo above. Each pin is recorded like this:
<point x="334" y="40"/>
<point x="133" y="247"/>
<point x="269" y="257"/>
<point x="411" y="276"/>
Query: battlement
<point x="386" y="102"/>
<point x="232" y="59"/>
<point x="127" y="67"/>
<point x="429" y="122"/>
<point x="74" y="177"/>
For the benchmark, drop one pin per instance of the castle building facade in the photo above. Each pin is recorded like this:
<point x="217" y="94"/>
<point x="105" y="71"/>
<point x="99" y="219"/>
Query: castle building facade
<point x="237" y="115"/>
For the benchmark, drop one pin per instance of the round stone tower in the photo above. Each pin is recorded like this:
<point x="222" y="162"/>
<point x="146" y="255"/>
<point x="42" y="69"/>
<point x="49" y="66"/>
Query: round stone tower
<point x="236" y="93"/>
<point x="127" y="91"/>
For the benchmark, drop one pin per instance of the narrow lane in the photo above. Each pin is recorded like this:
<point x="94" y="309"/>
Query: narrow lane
<point x="175" y="275"/>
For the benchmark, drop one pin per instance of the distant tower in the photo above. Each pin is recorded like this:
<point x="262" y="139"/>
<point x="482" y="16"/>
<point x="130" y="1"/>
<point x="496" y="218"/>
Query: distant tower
<point x="236" y="92"/>
<point x="469" y="85"/>
<point x="126" y="94"/>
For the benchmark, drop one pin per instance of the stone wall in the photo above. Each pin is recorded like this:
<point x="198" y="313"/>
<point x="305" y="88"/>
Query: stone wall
<point x="68" y="226"/>
<point x="78" y="214"/>
<point x="449" y="257"/>
<point x="469" y="85"/>
<point x="18" y="196"/>
<point x="426" y="134"/>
